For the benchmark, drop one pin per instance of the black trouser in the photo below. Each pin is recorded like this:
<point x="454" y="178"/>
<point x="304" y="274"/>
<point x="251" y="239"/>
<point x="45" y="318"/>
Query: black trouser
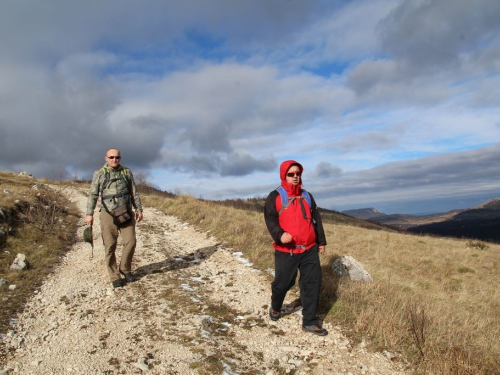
<point x="286" y="267"/>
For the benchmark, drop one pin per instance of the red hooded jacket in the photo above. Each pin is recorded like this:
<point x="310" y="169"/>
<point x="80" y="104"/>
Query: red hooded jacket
<point x="302" y="222"/>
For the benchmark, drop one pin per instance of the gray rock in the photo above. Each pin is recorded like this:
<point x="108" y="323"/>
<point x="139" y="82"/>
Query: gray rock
<point x="26" y="174"/>
<point x="141" y="364"/>
<point x="347" y="266"/>
<point x="4" y="282"/>
<point x="20" y="263"/>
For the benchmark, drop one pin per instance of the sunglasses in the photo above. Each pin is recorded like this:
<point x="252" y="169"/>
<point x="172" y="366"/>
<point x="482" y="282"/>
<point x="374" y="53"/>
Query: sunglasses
<point x="293" y="174"/>
<point x="114" y="157"/>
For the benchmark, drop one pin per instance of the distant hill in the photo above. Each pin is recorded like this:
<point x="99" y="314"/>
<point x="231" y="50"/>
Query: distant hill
<point x="364" y="213"/>
<point x="479" y="222"/>
<point x="408" y="221"/>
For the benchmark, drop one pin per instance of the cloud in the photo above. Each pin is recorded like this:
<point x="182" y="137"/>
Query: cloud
<point x="241" y="163"/>
<point x="429" y="34"/>
<point x="325" y="170"/>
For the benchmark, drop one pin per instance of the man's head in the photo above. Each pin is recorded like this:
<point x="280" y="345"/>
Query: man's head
<point x="291" y="172"/>
<point x="113" y="158"/>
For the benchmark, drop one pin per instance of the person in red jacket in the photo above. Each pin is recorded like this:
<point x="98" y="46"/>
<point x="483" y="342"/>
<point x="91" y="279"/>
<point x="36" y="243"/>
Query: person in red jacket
<point x="294" y="222"/>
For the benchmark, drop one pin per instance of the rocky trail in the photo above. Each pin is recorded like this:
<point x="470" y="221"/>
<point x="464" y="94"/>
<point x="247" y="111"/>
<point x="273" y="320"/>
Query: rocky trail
<point x="196" y="307"/>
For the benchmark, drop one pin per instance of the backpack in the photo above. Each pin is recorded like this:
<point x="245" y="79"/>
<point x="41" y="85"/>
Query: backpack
<point x="120" y="213"/>
<point x="285" y="201"/>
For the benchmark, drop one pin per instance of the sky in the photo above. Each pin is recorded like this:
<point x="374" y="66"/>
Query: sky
<point x="391" y="104"/>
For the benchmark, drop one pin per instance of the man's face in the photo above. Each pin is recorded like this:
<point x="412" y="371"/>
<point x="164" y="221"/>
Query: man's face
<point x="113" y="158"/>
<point x="293" y="175"/>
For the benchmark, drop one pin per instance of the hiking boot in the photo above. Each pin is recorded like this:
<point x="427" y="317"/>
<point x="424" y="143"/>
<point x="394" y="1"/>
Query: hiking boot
<point x="129" y="277"/>
<point x="274" y="315"/>
<point x="117" y="283"/>
<point x="316" y="329"/>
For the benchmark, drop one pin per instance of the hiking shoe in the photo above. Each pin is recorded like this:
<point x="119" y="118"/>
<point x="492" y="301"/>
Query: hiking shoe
<point x="274" y="315"/>
<point x="316" y="329"/>
<point x="129" y="277"/>
<point x="117" y="283"/>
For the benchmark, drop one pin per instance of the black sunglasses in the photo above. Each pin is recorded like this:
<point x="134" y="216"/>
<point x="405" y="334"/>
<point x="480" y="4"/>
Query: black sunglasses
<point x="293" y="174"/>
<point x="114" y="157"/>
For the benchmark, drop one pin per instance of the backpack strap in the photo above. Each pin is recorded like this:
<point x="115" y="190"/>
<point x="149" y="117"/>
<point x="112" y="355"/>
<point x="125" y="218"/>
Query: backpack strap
<point x="307" y="197"/>
<point x="285" y="201"/>
<point x="108" y="181"/>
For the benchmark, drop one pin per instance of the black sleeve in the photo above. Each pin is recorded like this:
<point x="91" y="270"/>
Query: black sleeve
<point x="272" y="217"/>
<point x="320" y="232"/>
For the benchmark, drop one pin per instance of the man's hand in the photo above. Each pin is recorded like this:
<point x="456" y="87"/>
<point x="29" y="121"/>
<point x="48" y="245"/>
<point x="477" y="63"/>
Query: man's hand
<point x="89" y="219"/>
<point x="138" y="215"/>
<point x="321" y="249"/>
<point x="286" y="238"/>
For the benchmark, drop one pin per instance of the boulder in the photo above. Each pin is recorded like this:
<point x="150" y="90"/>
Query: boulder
<point x="20" y="263"/>
<point x="347" y="266"/>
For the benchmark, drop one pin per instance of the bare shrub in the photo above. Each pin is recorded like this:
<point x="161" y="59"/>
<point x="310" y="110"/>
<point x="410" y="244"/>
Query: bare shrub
<point x="418" y="326"/>
<point x="478" y="245"/>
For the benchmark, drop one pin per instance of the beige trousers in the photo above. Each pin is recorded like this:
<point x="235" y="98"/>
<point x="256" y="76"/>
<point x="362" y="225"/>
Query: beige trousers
<point x="109" y="232"/>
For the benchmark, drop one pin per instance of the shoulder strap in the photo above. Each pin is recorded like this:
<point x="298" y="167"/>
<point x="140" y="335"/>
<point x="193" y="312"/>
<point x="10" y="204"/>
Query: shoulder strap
<point x="307" y="197"/>
<point x="284" y="198"/>
<point x="285" y="201"/>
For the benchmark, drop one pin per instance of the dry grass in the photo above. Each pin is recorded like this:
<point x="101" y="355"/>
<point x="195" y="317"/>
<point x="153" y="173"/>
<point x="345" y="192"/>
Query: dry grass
<point x="434" y="300"/>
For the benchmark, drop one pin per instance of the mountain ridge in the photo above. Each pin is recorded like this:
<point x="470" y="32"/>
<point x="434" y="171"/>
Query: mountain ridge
<point x="478" y="222"/>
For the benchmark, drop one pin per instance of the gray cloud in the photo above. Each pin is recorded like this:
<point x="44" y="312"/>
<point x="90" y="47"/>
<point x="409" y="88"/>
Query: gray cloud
<point x="325" y="170"/>
<point x="242" y="163"/>
<point x="433" y="33"/>
<point x="428" y="49"/>
<point x="31" y="28"/>
<point x="235" y="163"/>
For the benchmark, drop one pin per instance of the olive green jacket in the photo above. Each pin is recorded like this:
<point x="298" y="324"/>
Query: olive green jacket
<point x="124" y="183"/>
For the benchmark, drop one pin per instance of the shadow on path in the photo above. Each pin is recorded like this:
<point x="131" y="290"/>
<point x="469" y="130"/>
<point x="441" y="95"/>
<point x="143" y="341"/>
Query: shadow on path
<point x="178" y="262"/>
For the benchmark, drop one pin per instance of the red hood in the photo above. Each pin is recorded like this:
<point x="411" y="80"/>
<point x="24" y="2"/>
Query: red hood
<point x="291" y="190"/>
